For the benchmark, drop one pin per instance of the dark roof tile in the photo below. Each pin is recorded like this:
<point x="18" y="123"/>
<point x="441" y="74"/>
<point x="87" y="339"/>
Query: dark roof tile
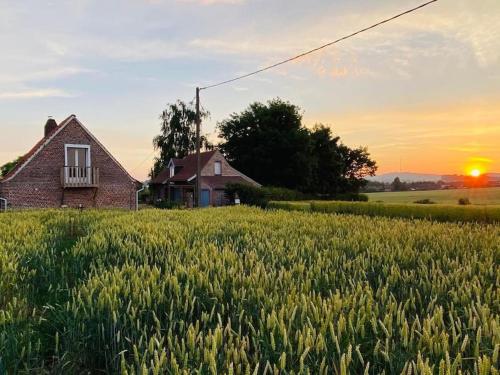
<point x="188" y="169"/>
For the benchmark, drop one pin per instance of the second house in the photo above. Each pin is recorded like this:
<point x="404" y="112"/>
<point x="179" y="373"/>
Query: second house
<point x="177" y="181"/>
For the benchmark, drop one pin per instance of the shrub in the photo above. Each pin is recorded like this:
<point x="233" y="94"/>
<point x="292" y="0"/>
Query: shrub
<point x="256" y="196"/>
<point x="425" y="201"/>
<point x="283" y="194"/>
<point x="350" y="197"/>
<point x="145" y="195"/>
<point x="248" y="194"/>
<point x="464" y="201"/>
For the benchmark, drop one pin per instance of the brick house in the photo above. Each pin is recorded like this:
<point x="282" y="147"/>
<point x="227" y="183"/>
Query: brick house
<point x="178" y="180"/>
<point x="68" y="167"/>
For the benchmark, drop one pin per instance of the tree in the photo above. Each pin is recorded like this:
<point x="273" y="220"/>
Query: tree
<point x="268" y="143"/>
<point x="326" y="161"/>
<point x="6" y="168"/>
<point x="357" y="165"/>
<point x="398" y="185"/>
<point x="178" y="134"/>
<point x="336" y="167"/>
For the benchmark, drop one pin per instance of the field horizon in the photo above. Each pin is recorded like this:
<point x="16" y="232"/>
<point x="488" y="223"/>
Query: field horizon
<point x="476" y="196"/>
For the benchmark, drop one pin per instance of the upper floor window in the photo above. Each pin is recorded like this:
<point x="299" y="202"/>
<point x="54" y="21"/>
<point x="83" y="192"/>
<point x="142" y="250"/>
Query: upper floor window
<point x="218" y="168"/>
<point x="172" y="170"/>
<point x="77" y="163"/>
<point x="77" y="156"/>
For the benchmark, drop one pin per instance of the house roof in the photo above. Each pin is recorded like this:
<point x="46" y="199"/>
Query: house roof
<point x="26" y="157"/>
<point x="45" y="140"/>
<point x="188" y="170"/>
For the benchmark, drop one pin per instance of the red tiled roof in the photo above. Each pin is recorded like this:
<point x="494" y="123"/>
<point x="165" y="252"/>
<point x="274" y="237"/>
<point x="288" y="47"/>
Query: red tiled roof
<point x="31" y="152"/>
<point x="161" y="177"/>
<point x="188" y="168"/>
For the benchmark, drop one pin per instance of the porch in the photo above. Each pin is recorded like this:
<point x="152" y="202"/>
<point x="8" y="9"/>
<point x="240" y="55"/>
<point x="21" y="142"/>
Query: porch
<point x="184" y="194"/>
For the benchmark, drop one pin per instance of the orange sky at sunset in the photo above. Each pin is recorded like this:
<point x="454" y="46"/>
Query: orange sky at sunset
<point x="422" y="93"/>
<point x="452" y="139"/>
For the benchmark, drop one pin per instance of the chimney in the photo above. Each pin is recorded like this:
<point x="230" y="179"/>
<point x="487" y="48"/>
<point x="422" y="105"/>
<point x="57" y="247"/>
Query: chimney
<point x="50" y="126"/>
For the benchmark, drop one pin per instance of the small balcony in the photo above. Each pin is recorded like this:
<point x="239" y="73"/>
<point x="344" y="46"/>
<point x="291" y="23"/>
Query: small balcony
<point x="79" y="177"/>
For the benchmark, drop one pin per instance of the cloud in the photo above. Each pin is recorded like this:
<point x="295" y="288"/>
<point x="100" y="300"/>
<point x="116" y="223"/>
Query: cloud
<point x="43" y="74"/>
<point x="481" y="159"/>
<point x="35" y="94"/>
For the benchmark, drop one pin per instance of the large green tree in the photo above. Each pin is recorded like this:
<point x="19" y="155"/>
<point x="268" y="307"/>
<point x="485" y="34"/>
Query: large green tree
<point x="178" y="134"/>
<point x="269" y="143"/>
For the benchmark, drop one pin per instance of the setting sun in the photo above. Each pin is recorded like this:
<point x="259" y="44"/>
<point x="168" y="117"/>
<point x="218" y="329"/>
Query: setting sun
<point x="475" y="172"/>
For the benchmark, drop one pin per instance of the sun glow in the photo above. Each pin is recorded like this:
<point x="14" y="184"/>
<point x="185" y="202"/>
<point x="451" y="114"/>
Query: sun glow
<point x="475" y="172"/>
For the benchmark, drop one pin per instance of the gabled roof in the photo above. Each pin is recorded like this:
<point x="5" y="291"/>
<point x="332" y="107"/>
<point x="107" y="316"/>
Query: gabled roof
<point x="26" y="159"/>
<point x="188" y="169"/>
<point x="38" y="146"/>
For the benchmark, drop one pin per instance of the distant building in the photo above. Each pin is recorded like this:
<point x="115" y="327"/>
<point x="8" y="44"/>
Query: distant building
<point x="68" y="167"/>
<point x="177" y="181"/>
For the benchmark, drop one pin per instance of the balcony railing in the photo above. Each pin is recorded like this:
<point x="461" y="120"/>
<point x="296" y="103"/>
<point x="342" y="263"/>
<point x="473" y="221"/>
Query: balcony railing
<point x="78" y="177"/>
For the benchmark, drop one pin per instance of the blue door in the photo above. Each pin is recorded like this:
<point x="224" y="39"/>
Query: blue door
<point x="205" y="198"/>
<point x="177" y="196"/>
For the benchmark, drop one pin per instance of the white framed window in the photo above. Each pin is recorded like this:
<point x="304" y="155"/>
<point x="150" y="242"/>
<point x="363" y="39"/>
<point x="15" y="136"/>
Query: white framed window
<point x="217" y="168"/>
<point x="77" y="164"/>
<point x="77" y="155"/>
<point x="172" y="170"/>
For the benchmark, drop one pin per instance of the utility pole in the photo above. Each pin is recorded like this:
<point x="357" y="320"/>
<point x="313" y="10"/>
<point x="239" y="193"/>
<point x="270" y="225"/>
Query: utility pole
<point x="198" y="145"/>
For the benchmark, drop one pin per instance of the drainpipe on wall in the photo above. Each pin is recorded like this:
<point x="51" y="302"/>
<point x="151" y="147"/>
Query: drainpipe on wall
<point x="137" y="197"/>
<point x="4" y="202"/>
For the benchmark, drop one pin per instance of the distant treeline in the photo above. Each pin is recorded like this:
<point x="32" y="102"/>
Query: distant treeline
<point x="398" y="185"/>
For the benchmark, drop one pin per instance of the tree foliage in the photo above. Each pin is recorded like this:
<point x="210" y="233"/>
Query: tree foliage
<point x="7" y="167"/>
<point x="269" y="143"/>
<point x="398" y="185"/>
<point x="178" y="134"/>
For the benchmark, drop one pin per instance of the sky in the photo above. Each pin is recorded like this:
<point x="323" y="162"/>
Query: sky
<point x="421" y="93"/>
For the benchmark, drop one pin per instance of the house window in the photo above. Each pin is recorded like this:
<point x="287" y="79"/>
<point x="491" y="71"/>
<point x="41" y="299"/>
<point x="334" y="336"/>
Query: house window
<point x="77" y="156"/>
<point x="77" y="163"/>
<point x="172" y="170"/>
<point x="218" y="168"/>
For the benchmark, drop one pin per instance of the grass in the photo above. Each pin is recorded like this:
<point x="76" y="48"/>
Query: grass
<point x="443" y="213"/>
<point x="479" y="196"/>
<point x="243" y="290"/>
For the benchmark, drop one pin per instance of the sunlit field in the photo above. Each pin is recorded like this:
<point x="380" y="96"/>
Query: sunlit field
<point x="479" y="196"/>
<point x="246" y="291"/>
<point x="435" y="212"/>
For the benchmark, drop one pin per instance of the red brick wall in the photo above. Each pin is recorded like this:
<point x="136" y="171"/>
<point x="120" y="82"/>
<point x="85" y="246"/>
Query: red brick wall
<point x="227" y="170"/>
<point x="38" y="184"/>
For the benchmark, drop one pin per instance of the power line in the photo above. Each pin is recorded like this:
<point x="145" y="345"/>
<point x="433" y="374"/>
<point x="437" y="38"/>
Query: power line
<point x="319" y="48"/>
<point x="142" y="162"/>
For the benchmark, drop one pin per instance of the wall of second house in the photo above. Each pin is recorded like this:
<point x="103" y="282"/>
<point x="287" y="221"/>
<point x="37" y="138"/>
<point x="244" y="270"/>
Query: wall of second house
<point x="38" y="184"/>
<point x="226" y="168"/>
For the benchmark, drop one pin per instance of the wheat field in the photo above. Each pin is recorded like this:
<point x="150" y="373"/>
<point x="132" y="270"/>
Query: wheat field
<point x="246" y="291"/>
